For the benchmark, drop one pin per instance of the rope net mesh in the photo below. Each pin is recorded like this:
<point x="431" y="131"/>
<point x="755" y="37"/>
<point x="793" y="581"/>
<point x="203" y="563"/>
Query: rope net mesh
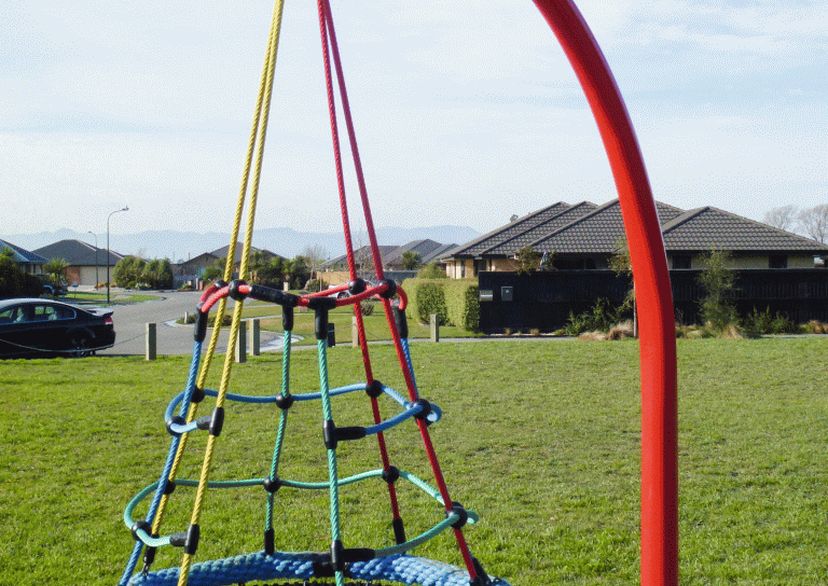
<point x="343" y="564"/>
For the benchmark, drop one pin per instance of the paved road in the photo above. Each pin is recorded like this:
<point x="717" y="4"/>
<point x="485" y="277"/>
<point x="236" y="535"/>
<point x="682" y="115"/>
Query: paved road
<point x="130" y="326"/>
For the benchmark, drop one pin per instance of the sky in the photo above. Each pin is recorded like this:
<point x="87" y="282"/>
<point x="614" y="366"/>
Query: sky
<point x="466" y="112"/>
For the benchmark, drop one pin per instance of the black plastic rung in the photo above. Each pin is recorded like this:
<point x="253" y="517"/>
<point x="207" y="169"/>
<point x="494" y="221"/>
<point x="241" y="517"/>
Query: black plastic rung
<point x="271" y="295"/>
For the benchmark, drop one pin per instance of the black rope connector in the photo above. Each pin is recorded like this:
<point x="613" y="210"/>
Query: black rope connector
<point x="217" y="421"/>
<point x="391" y="475"/>
<point x="287" y="318"/>
<point x="399" y="530"/>
<point x="197" y="396"/>
<point x="337" y="555"/>
<point x="426" y="410"/>
<point x="321" y="323"/>
<point x="374" y="388"/>
<point x="284" y="402"/>
<point x="329" y="434"/>
<point x="390" y="288"/>
<point x="462" y="515"/>
<point x="271" y="485"/>
<point x="269" y="542"/>
<point x="176" y="420"/>
<point x="191" y="543"/>
<point x="169" y="488"/>
<point x="200" y="331"/>
<point x="482" y="577"/>
<point x="141" y="524"/>
<point x="149" y="557"/>
<point x="401" y="321"/>
<point x="356" y="286"/>
<point x="220" y="283"/>
<point x="234" y="292"/>
<point x="321" y="302"/>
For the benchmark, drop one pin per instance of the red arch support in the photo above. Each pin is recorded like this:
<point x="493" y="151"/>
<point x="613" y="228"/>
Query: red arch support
<point x="659" y="415"/>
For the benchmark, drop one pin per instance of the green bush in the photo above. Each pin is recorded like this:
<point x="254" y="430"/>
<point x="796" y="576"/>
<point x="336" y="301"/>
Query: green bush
<point x="758" y="323"/>
<point x="600" y="318"/>
<point x="432" y="271"/>
<point x="455" y="301"/>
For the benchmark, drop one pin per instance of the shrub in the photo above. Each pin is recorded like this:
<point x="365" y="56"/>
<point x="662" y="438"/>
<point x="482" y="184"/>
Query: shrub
<point x="600" y="318"/>
<point x="432" y="271"/>
<point x="717" y="280"/>
<point x="455" y="301"/>
<point x="815" y="327"/>
<point x="762" y="322"/>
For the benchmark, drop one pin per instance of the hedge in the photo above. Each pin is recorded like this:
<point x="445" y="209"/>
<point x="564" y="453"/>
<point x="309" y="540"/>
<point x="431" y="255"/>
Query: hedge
<point x="455" y="301"/>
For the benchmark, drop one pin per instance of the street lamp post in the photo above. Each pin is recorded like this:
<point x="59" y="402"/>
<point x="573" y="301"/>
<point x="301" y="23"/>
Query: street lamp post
<point x="97" y="278"/>
<point x="123" y="209"/>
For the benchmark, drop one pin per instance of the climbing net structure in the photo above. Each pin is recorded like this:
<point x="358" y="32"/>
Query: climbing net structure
<point x="390" y="563"/>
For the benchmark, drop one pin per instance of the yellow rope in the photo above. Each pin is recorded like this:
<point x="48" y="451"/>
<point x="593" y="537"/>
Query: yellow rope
<point x="228" y="274"/>
<point x="270" y="64"/>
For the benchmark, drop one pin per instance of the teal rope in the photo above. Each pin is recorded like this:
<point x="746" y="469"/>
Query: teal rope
<point x="280" y="432"/>
<point x="333" y="482"/>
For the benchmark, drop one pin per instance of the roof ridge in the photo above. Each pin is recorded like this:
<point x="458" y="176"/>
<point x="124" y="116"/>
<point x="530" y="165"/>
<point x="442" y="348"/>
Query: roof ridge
<point x="682" y="218"/>
<point x="563" y="211"/>
<point x="545" y="236"/>
<point x="460" y="248"/>
<point x="594" y="212"/>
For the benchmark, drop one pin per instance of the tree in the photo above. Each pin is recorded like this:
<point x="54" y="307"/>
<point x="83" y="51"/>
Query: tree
<point x="621" y="265"/>
<point x="717" y="280"/>
<point x="814" y="222"/>
<point x="14" y="281"/>
<point x="157" y="274"/>
<point x="128" y="272"/>
<point x="410" y="260"/>
<point x="297" y="272"/>
<point x="315" y="255"/>
<point x="783" y="217"/>
<point x="215" y="270"/>
<point x="55" y="269"/>
<point x="272" y="273"/>
<point x="528" y="260"/>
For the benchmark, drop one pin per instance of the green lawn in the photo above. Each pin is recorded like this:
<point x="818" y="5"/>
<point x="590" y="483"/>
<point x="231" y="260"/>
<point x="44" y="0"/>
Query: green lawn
<point x="81" y="297"/>
<point x="541" y="438"/>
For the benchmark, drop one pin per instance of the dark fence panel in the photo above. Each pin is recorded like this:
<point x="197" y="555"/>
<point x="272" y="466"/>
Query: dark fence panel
<point x="545" y="300"/>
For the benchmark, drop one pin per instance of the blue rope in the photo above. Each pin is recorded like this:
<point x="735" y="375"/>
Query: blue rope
<point x="402" y="569"/>
<point x="165" y="474"/>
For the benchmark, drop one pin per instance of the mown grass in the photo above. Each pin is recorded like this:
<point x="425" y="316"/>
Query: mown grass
<point x="81" y="297"/>
<point x="541" y="438"/>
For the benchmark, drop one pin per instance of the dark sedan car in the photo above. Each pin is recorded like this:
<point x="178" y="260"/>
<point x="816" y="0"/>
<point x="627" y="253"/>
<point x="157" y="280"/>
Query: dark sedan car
<point x="41" y="327"/>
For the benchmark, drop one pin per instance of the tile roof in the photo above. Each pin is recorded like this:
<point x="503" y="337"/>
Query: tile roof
<point x="79" y="253"/>
<point x="21" y="255"/>
<point x="359" y="253"/>
<point x="708" y="227"/>
<point x="421" y="247"/>
<point x="597" y="232"/>
<point x="498" y="236"/>
<point x="542" y="230"/>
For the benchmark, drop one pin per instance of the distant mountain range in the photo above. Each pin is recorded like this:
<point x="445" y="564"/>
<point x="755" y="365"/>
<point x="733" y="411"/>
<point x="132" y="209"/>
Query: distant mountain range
<point x="285" y="241"/>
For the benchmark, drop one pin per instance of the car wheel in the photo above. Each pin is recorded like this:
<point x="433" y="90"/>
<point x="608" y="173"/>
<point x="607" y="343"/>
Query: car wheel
<point x="341" y="295"/>
<point x="79" y="346"/>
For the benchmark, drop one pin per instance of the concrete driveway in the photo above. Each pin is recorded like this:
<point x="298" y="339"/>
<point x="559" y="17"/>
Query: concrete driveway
<point x="130" y="324"/>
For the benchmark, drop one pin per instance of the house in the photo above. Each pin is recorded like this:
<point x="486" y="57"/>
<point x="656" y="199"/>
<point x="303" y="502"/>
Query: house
<point x="585" y="236"/>
<point x="362" y="259"/>
<point x="193" y="268"/>
<point x="426" y="250"/>
<point x="87" y="264"/>
<point x="31" y="262"/>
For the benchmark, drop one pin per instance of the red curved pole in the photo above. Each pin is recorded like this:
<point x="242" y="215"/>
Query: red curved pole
<point x="659" y="416"/>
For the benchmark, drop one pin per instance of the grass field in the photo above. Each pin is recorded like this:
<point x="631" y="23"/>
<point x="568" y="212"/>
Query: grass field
<point x="541" y="438"/>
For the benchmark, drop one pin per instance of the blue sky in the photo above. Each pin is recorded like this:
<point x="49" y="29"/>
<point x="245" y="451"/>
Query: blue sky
<point x="466" y="111"/>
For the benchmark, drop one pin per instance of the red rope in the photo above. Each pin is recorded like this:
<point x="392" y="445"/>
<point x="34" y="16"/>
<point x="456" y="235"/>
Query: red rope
<point x="412" y="390"/>
<point x="323" y="8"/>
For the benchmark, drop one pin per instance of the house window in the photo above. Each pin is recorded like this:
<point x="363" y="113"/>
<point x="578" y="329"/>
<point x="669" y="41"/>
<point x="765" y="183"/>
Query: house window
<point x="777" y="261"/>
<point x="462" y="269"/>
<point x="681" y="261"/>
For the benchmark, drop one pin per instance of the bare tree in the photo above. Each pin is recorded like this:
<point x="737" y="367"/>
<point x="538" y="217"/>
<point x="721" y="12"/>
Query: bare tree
<point x="783" y="217"/>
<point x="315" y="255"/>
<point x="814" y="222"/>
